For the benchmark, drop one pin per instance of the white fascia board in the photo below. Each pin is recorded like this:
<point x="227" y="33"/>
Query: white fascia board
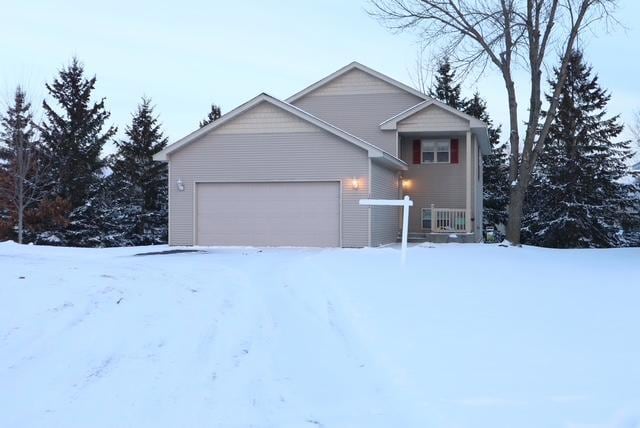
<point x="482" y="136"/>
<point x="389" y="161"/>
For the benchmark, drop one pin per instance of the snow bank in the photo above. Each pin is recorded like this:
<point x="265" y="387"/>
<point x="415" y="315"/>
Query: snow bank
<point x="463" y="336"/>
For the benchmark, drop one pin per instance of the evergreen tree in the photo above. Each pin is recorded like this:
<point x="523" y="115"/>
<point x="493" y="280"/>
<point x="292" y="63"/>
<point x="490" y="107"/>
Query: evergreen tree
<point x="214" y="114"/>
<point x="445" y="89"/>
<point x="143" y="180"/>
<point x="74" y="136"/>
<point x="577" y="198"/>
<point x="495" y="173"/>
<point x="109" y="218"/>
<point x="87" y="223"/>
<point x="23" y="180"/>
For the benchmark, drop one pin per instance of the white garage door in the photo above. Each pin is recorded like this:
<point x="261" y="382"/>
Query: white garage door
<point x="268" y="214"/>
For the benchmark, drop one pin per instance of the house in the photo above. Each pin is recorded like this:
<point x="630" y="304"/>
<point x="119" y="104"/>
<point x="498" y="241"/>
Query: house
<point x="291" y="173"/>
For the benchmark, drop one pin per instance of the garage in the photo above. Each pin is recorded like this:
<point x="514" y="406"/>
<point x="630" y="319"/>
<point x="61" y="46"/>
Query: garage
<point x="305" y="214"/>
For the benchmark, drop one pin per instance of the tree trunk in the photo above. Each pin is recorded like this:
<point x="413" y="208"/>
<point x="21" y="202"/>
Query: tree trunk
<point x="516" y="195"/>
<point x="20" y="224"/>
<point x="21" y="175"/>
<point x="516" y="205"/>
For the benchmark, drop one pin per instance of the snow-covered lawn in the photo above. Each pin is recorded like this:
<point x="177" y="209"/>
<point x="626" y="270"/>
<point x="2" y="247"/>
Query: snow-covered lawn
<point x="464" y="336"/>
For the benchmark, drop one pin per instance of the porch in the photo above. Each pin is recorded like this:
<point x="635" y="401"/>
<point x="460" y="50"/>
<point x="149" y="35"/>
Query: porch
<point x="442" y="225"/>
<point x="440" y="238"/>
<point x="440" y="179"/>
<point x="443" y="151"/>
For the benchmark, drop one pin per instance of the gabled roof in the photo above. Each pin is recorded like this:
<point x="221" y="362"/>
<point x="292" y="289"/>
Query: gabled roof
<point x="373" y="151"/>
<point x="478" y="127"/>
<point x="356" y="66"/>
<point x="392" y="122"/>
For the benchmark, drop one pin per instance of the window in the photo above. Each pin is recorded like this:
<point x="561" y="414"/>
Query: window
<point x="436" y="151"/>
<point x="426" y="218"/>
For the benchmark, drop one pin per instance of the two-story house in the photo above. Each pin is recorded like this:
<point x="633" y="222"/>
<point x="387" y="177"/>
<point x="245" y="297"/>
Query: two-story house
<point x="292" y="172"/>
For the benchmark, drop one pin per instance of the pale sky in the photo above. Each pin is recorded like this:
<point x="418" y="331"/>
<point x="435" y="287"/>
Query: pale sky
<point x="188" y="54"/>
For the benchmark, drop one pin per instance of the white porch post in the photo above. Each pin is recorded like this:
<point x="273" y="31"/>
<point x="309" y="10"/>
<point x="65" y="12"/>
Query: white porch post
<point x="467" y="220"/>
<point x="433" y="219"/>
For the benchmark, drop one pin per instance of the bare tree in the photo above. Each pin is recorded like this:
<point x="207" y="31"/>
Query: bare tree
<point x="22" y="168"/>
<point x="420" y="74"/>
<point x="504" y="34"/>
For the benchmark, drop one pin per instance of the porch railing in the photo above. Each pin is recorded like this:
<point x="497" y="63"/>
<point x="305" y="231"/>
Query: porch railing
<point x="448" y="220"/>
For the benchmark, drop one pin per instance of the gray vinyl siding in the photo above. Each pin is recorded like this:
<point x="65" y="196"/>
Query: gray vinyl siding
<point x="265" y="118"/>
<point x="384" y="220"/>
<point x="357" y="103"/>
<point x="356" y="81"/>
<point x="433" y="119"/>
<point x="285" y="155"/>
<point x="443" y="185"/>
<point x="440" y="184"/>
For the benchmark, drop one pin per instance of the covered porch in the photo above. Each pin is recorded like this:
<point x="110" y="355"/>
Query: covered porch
<point x="442" y="148"/>
<point x="440" y="181"/>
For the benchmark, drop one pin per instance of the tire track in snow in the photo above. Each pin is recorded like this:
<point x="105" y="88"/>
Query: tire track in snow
<point x="247" y="343"/>
<point x="374" y="375"/>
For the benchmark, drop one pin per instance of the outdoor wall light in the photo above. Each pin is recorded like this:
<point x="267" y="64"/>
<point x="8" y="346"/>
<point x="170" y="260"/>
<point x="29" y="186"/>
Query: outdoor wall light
<point x="406" y="183"/>
<point x="354" y="183"/>
<point x="180" y="185"/>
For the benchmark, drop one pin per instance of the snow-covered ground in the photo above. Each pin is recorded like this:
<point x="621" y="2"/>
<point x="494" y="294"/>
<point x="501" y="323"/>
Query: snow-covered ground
<point x="463" y="336"/>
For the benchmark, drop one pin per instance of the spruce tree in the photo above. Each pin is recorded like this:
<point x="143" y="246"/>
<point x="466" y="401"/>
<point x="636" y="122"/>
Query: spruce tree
<point x="495" y="174"/>
<point x="23" y="180"/>
<point x="214" y="114"/>
<point x="86" y="225"/>
<point x="577" y="197"/>
<point x="445" y="89"/>
<point x="143" y="180"/>
<point x="74" y="133"/>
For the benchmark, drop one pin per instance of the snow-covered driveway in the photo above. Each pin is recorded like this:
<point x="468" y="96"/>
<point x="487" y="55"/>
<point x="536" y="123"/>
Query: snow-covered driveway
<point x="464" y="336"/>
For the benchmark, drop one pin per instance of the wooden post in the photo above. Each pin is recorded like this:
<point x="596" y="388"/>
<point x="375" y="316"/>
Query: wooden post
<point x="405" y="203"/>
<point x="405" y="227"/>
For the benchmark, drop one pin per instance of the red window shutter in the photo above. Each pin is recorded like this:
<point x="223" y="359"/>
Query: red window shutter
<point x="455" y="149"/>
<point x="417" y="149"/>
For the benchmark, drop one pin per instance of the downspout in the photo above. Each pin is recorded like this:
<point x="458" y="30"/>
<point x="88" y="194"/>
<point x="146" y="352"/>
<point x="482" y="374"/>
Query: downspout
<point x="468" y="186"/>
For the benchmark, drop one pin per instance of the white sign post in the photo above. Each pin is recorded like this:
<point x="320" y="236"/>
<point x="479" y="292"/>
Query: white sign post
<point x="405" y="204"/>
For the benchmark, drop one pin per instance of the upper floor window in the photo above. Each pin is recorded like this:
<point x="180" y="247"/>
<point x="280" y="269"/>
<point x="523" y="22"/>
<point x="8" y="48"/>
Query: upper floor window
<point x="436" y="151"/>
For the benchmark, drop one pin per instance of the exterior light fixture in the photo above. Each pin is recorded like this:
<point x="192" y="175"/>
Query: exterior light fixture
<point x="180" y="185"/>
<point x="354" y="183"/>
<point x="406" y="183"/>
